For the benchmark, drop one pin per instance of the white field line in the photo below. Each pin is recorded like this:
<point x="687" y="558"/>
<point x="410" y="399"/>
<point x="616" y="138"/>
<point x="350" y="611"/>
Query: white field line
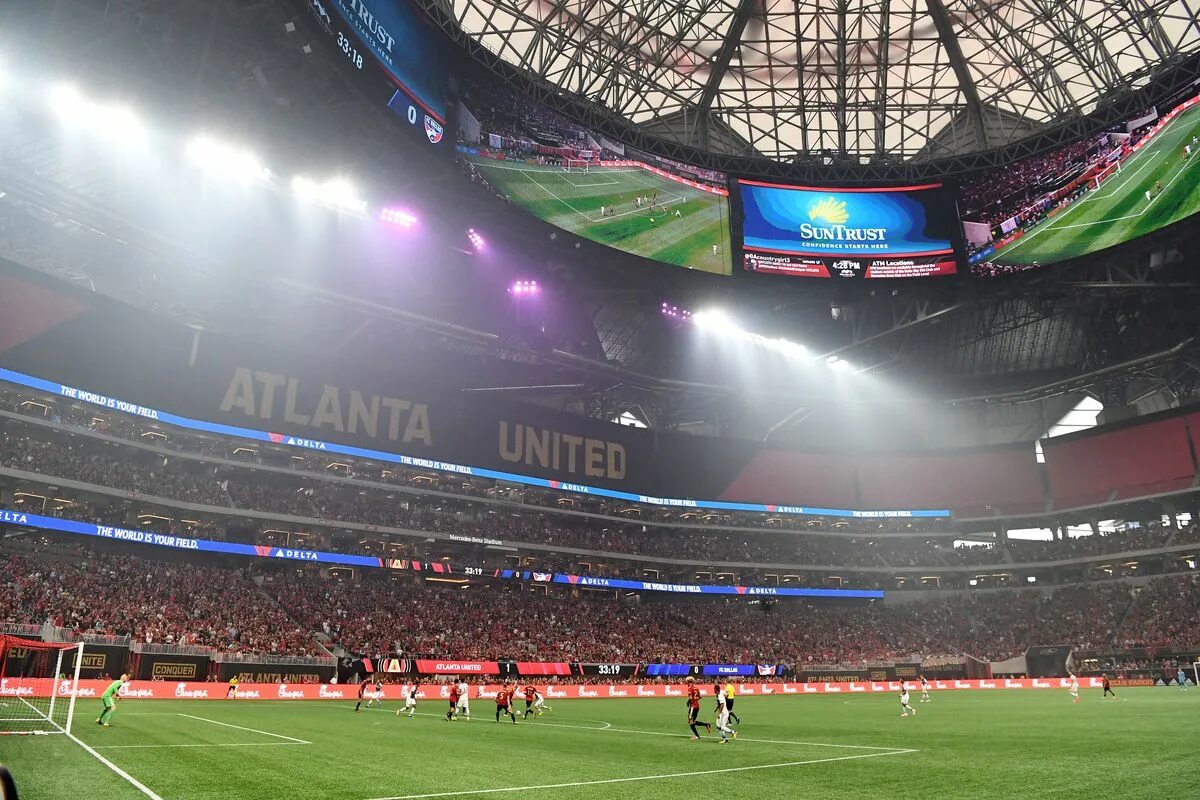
<point x="224" y="744"/>
<point x="134" y="782"/>
<point x="1146" y="207"/>
<point x="251" y="730"/>
<point x="639" y="778"/>
<point x="589" y="185"/>
<point x="1116" y="185"/>
<point x="672" y="198"/>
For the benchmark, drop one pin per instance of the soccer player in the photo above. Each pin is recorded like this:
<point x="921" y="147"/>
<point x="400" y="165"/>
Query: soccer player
<point x="109" y="700"/>
<point x="531" y="694"/>
<point x="723" y="715"/>
<point x="1107" y="687"/>
<point x="464" y="701"/>
<point x="1074" y="688"/>
<point x="453" y="702"/>
<point x="504" y="702"/>
<point x="729" y="697"/>
<point x="376" y="696"/>
<point x="232" y="693"/>
<point x="362" y="692"/>
<point x="925" y="698"/>
<point x="905" y="707"/>
<point x="539" y="704"/>
<point x="410" y="700"/>
<point x="1181" y="679"/>
<point x="693" y="704"/>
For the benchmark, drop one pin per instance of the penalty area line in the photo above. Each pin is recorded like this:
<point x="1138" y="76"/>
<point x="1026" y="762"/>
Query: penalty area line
<point x="134" y="782"/>
<point x="251" y="730"/>
<point x="639" y="778"/>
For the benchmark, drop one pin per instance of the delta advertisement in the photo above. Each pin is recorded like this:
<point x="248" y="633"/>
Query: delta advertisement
<point x="902" y="232"/>
<point x="200" y="690"/>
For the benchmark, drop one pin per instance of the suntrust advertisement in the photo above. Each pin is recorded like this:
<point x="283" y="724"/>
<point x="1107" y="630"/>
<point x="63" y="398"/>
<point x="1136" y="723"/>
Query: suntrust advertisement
<point x="901" y="232"/>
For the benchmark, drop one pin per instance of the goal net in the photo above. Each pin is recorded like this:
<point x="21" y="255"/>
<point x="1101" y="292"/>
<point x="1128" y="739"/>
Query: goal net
<point x="38" y="683"/>
<point x="1106" y="173"/>
<point x="575" y="165"/>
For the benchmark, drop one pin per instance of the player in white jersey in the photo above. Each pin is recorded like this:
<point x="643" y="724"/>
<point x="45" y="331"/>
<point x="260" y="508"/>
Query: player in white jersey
<point x="905" y="708"/>
<point x="925" y="698"/>
<point x="376" y="697"/>
<point x="539" y="704"/>
<point x="464" y="704"/>
<point x="723" y="728"/>
<point x="1073" y="689"/>
<point x="410" y="700"/>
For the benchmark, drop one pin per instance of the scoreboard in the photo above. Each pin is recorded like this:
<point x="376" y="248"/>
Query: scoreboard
<point x="395" y="57"/>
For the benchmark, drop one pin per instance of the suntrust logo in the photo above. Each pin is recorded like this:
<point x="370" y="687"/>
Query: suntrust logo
<point x="833" y="213"/>
<point x="830" y="210"/>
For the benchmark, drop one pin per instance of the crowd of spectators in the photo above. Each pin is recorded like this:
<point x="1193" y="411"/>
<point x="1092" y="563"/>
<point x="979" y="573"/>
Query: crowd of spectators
<point x="287" y="612"/>
<point x="312" y="497"/>
<point x="1165" y="614"/>
<point x="151" y="602"/>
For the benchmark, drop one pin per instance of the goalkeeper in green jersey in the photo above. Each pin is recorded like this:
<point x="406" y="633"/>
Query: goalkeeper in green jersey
<point x="109" y="700"/>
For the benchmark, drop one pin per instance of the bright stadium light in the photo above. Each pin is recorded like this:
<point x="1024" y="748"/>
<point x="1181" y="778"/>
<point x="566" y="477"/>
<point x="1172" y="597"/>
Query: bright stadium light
<point x="213" y="155"/>
<point x="714" y="319"/>
<point x="106" y="119"/>
<point x="337" y="193"/>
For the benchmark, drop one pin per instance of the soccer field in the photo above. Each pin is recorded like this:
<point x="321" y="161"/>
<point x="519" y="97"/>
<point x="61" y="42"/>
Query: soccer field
<point x="572" y="201"/>
<point x="1000" y="744"/>
<point x="1119" y="211"/>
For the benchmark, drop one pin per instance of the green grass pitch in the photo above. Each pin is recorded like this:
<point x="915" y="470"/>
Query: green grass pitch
<point x="983" y="745"/>
<point x="572" y="201"/>
<point x="1118" y="211"/>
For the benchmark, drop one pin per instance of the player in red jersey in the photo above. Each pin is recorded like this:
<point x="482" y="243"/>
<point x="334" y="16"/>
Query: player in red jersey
<point x="1107" y="687"/>
<point x="504" y="702"/>
<point x="453" y="701"/>
<point x="693" y="705"/>
<point x="530" y="695"/>
<point x="362" y="691"/>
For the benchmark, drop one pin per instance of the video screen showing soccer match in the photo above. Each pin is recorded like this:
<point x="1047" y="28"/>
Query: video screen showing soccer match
<point x="1105" y="190"/>
<point x="594" y="187"/>
<point x="814" y="232"/>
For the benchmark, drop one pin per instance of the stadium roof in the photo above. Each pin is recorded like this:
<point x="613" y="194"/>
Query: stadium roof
<point x="880" y="80"/>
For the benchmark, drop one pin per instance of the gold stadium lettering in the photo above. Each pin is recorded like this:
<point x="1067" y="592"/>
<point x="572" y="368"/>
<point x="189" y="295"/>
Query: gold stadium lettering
<point x="274" y="397"/>
<point x="561" y="451"/>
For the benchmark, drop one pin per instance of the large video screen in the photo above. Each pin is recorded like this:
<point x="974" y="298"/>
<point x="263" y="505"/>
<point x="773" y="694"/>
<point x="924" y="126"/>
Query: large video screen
<point x="409" y="53"/>
<point x="1105" y="190"/>
<point x="900" y="232"/>
<point x="592" y="186"/>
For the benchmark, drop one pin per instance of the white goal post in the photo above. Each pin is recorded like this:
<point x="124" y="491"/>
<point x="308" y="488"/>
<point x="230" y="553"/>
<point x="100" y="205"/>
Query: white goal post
<point x="1196" y="672"/>
<point x="576" y="165"/>
<point x="1106" y="173"/>
<point x="38" y="684"/>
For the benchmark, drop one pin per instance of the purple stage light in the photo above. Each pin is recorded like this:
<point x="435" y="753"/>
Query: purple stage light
<point x="523" y="288"/>
<point x="398" y="217"/>
<point x="674" y="312"/>
<point x="476" y="240"/>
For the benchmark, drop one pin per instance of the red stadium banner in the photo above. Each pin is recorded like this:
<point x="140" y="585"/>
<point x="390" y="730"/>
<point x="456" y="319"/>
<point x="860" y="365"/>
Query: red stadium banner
<point x="543" y="668"/>
<point x="172" y="690"/>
